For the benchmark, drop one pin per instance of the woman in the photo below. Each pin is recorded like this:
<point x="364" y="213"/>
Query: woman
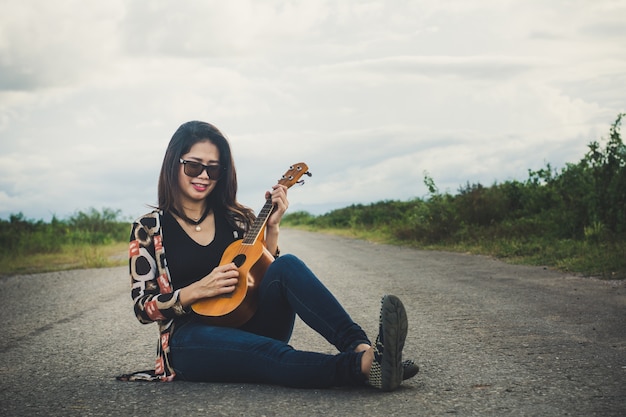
<point x="174" y="262"/>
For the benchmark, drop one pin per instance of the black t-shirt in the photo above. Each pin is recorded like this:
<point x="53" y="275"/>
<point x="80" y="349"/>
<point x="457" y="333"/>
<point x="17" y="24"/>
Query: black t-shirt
<point x="187" y="260"/>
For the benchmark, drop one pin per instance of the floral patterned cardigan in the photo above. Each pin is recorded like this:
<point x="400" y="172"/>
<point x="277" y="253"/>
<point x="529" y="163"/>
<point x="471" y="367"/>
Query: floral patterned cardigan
<point x="151" y="291"/>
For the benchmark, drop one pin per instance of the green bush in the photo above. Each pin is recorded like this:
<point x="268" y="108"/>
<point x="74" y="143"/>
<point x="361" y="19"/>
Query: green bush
<point x="299" y="218"/>
<point x="22" y="236"/>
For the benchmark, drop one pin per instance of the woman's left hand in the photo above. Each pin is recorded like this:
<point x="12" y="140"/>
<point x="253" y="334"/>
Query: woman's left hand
<point x="279" y="199"/>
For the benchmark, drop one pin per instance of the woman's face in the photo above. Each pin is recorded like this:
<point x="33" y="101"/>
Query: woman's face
<point x="196" y="189"/>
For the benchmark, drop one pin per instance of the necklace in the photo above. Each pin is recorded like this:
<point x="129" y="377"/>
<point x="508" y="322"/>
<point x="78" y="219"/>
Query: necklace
<point x="195" y="222"/>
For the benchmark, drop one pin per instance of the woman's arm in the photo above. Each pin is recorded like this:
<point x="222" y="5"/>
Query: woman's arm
<point x="151" y="291"/>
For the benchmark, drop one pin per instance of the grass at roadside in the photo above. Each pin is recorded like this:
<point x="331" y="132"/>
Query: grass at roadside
<point x="601" y="260"/>
<point x="605" y="261"/>
<point x="87" y="239"/>
<point x="580" y="257"/>
<point x="69" y="257"/>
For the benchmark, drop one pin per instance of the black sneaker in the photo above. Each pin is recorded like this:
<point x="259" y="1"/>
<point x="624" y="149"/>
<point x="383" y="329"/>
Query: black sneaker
<point x="387" y="370"/>
<point x="409" y="369"/>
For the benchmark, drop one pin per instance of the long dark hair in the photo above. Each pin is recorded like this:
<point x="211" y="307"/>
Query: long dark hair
<point x="223" y="198"/>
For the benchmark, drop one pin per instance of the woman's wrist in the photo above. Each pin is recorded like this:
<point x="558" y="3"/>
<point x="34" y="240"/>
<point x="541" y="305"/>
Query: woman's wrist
<point x="188" y="295"/>
<point x="271" y="239"/>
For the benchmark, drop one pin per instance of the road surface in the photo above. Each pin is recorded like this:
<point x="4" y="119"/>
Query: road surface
<point x="490" y="338"/>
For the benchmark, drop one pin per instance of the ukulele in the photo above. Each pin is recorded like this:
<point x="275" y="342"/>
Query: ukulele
<point x="252" y="260"/>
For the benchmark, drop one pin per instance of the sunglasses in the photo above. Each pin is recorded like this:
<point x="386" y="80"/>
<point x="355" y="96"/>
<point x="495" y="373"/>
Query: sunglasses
<point x="193" y="169"/>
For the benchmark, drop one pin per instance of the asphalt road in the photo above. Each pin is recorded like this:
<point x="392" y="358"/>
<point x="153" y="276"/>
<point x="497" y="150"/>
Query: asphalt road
<point x="491" y="339"/>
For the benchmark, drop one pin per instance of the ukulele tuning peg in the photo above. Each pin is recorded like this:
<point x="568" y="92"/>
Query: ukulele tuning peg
<point x="301" y="182"/>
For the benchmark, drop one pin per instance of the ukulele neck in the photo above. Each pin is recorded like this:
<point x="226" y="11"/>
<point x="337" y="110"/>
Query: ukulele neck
<point x="257" y="227"/>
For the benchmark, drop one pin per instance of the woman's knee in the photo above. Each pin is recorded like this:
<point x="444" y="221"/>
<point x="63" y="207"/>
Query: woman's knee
<point x="290" y="264"/>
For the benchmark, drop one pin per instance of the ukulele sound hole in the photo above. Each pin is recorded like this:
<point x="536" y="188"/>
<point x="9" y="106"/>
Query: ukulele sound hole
<point x="239" y="260"/>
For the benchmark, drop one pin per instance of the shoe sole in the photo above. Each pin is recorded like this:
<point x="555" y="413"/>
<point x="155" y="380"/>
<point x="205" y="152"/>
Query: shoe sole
<point x="395" y="327"/>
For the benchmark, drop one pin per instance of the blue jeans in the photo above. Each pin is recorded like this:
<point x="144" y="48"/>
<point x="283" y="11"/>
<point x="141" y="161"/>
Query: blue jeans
<point x="259" y="352"/>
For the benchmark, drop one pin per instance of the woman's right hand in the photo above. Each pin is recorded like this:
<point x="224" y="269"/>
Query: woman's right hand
<point x="222" y="280"/>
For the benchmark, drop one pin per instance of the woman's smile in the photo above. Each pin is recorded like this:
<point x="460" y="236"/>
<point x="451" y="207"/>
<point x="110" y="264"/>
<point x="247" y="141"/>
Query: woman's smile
<point x="200" y="187"/>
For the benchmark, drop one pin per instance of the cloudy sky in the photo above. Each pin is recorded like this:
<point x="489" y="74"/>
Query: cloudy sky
<point x="371" y="94"/>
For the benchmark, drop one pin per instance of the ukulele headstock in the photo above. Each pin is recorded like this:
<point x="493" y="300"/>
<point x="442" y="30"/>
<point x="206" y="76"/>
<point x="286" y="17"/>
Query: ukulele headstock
<point x="294" y="173"/>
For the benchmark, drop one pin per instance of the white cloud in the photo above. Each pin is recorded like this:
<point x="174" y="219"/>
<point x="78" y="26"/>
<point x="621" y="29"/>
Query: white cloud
<point x="216" y="29"/>
<point x="46" y="44"/>
<point x="369" y="93"/>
